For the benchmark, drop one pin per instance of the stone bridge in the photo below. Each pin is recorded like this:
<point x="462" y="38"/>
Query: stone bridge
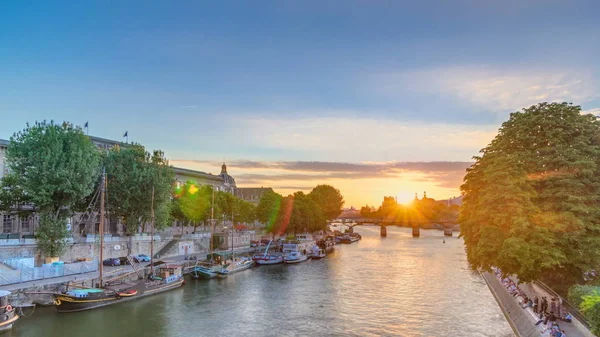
<point x="447" y="225"/>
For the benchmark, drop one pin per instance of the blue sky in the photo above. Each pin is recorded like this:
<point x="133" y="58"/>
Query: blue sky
<point x="369" y="82"/>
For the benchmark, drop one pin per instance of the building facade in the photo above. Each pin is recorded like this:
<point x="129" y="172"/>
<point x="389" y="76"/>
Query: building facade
<point x="252" y="194"/>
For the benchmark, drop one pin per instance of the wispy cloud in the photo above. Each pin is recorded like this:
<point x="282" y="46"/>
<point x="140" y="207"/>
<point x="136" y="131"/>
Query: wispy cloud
<point x="444" y="174"/>
<point x="496" y="89"/>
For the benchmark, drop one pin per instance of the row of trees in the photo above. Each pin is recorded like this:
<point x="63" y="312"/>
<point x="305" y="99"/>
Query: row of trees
<point x="419" y="210"/>
<point x="197" y="205"/>
<point x="54" y="170"/>
<point x="299" y="212"/>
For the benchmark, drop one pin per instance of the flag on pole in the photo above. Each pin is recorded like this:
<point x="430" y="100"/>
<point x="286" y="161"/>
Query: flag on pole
<point x="86" y="125"/>
<point x="125" y="134"/>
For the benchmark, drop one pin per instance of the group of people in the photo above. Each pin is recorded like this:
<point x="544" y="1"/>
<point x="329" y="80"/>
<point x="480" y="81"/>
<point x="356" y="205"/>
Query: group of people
<point x="548" y="312"/>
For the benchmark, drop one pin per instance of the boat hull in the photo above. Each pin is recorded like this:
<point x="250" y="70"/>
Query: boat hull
<point x="9" y="319"/>
<point x="269" y="259"/>
<point x="302" y="259"/>
<point x="67" y="303"/>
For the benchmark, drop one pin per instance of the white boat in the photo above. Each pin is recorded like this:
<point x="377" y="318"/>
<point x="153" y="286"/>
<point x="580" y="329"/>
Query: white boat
<point x="237" y="266"/>
<point x="268" y="258"/>
<point x="318" y="253"/>
<point x="294" y="257"/>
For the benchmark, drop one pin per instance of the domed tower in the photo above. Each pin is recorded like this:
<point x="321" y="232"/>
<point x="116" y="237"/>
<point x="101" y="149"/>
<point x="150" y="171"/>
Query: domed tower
<point x="228" y="181"/>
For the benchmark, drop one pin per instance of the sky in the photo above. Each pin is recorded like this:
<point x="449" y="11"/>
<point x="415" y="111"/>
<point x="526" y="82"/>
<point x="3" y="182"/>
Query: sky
<point x="374" y="97"/>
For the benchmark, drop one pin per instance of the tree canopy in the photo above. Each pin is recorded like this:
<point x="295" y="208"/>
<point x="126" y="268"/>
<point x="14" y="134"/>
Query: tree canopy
<point x="132" y="173"/>
<point x="53" y="167"/>
<point x="530" y="198"/>
<point x="329" y="200"/>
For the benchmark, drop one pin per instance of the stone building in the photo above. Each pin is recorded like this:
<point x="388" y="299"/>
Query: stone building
<point x="251" y="194"/>
<point x="222" y="182"/>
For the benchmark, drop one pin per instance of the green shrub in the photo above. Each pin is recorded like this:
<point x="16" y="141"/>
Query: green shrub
<point x="577" y="292"/>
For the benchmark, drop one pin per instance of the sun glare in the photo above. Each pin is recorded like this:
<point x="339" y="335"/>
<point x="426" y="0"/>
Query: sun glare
<point x="405" y="198"/>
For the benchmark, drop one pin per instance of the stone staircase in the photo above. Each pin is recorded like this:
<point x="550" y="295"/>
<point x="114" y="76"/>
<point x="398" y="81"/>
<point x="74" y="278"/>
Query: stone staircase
<point x="164" y="251"/>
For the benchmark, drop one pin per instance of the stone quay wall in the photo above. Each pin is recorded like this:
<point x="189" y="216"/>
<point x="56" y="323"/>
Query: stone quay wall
<point x="112" y="249"/>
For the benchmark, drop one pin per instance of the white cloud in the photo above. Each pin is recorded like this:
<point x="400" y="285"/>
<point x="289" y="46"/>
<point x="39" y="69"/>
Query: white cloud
<point x="499" y="90"/>
<point x="595" y="111"/>
<point x="362" y="139"/>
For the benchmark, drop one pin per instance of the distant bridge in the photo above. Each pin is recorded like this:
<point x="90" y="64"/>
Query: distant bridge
<point x="447" y="225"/>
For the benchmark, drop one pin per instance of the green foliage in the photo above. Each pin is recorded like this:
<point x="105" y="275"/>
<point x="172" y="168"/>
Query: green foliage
<point x="196" y="202"/>
<point x="587" y="299"/>
<point x="132" y="172"/>
<point x="530" y="200"/>
<point x="268" y="210"/>
<point x="50" y="166"/>
<point x="51" y="235"/>
<point x="577" y="292"/>
<point x="306" y="215"/>
<point x="328" y="199"/>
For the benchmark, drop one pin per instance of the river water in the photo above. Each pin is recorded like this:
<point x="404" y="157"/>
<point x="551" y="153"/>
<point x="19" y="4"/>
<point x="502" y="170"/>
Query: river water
<point x="394" y="286"/>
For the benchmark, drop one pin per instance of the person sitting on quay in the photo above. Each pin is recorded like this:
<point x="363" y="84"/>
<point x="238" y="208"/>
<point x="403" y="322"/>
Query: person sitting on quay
<point x="567" y="317"/>
<point x="550" y="321"/>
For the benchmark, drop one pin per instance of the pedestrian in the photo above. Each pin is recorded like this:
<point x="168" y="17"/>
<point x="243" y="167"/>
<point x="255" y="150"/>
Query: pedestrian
<point x="553" y="305"/>
<point x="535" y="304"/>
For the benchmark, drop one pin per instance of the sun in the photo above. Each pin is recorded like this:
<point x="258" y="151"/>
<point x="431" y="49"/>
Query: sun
<point x="405" y="198"/>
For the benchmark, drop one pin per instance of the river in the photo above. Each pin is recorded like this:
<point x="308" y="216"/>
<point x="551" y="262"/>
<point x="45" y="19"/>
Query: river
<point x="394" y="286"/>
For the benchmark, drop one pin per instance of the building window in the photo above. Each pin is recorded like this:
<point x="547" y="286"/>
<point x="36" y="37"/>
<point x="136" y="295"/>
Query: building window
<point x="26" y="224"/>
<point x="7" y="223"/>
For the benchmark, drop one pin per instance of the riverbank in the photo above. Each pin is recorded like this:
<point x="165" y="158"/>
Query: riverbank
<point x="523" y="320"/>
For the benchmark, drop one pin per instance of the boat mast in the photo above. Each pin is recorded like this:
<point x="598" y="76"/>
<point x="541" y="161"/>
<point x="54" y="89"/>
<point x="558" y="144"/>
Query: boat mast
<point x="152" y="234"/>
<point x="212" y="222"/>
<point x="101" y="229"/>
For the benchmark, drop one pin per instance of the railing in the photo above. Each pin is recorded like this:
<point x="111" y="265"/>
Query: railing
<point x="25" y="273"/>
<point x="570" y="308"/>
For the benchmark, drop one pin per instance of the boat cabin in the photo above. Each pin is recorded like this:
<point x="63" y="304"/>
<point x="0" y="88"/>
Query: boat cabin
<point x="170" y="273"/>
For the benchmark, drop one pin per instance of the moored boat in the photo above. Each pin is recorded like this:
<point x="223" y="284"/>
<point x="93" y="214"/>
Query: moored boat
<point x="8" y="314"/>
<point x="268" y="257"/>
<point x="237" y="266"/>
<point x="205" y="271"/>
<point x="294" y="257"/>
<point x="318" y="253"/>
<point x="169" y="277"/>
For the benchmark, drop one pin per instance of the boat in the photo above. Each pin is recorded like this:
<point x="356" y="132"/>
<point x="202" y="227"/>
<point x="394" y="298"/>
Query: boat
<point x="268" y="258"/>
<point x="347" y="239"/>
<point x="328" y="243"/>
<point x="8" y="314"/>
<point x="169" y="277"/>
<point x="294" y="257"/>
<point x="318" y="253"/>
<point x="237" y="266"/>
<point x="205" y="271"/>
<point x="118" y="289"/>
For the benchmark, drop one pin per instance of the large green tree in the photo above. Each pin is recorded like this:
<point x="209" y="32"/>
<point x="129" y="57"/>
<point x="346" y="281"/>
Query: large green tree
<point x="196" y="202"/>
<point x="53" y="167"/>
<point x="268" y="209"/>
<point x="132" y="173"/>
<point x="329" y="199"/>
<point x="306" y="215"/>
<point x="531" y="199"/>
